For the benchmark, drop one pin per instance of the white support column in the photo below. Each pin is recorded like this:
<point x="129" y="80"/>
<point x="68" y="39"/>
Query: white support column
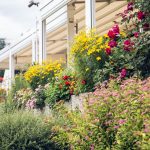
<point x="34" y="49"/>
<point x="90" y="14"/>
<point x="42" y="41"/>
<point x="11" y="68"/>
<point x="70" y="27"/>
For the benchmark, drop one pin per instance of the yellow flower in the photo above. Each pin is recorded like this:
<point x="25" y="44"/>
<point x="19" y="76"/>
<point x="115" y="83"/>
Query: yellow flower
<point x="98" y="58"/>
<point x="123" y="34"/>
<point x="87" y="69"/>
<point x="106" y="36"/>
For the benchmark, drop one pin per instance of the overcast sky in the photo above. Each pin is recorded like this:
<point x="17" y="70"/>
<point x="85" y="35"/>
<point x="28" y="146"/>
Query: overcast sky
<point x="16" y="18"/>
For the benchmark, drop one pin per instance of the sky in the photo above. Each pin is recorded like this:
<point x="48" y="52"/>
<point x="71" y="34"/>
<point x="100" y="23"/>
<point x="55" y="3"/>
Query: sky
<point x="16" y="18"/>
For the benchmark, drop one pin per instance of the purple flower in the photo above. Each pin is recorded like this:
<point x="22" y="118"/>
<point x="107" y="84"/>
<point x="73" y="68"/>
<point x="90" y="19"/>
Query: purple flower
<point x="130" y="6"/>
<point x="123" y="73"/>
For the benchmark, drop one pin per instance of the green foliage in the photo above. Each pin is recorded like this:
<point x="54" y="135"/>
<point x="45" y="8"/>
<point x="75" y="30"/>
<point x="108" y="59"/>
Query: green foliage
<point x="18" y="84"/>
<point x="24" y="131"/>
<point x="61" y="89"/>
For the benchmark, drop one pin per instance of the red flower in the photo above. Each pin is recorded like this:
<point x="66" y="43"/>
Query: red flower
<point x="114" y="31"/>
<point x="141" y="15"/>
<point x="111" y="34"/>
<point x="128" y="45"/>
<point x="83" y="82"/>
<point x="66" y="77"/>
<point x="130" y="6"/>
<point x="136" y="34"/>
<point x="123" y="73"/>
<point x="67" y="83"/>
<point x="112" y="43"/>
<point x="108" y="51"/>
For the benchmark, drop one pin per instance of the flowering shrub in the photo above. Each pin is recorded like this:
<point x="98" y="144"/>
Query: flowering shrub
<point x="61" y="89"/>
<point x="23" y="98"/>
<point x="116" y="117"/>
<point x="129" y="54"/>
<point x="88" y="52"/>
<point x="42" y="74"/>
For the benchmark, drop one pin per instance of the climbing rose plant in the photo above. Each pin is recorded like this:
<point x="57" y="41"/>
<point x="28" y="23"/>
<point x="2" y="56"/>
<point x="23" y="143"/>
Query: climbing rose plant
<point x="128" y="55"/>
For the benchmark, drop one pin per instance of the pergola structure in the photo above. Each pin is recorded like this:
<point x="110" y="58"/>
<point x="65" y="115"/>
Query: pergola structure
<point x="58" y="22"/>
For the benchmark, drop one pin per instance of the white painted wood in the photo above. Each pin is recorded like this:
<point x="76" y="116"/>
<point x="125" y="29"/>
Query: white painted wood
<point x="70" y="27"/>
<point x="5" y="83"/>
<point x="42" y="41"/>
<point x="90" y="12"/>
<point x="34" y="49"/>
<point x="51" y="7"/>
<point x="11" y="68"/>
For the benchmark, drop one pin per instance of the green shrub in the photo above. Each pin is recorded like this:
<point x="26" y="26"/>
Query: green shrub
<point x="24" y="131"/>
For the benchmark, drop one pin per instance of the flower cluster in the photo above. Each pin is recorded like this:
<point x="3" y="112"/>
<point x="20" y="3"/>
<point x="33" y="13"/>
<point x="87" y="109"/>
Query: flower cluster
<point x="41" y="74"/>
<point x="89" y="44"/>
<point x="114" y="116"/>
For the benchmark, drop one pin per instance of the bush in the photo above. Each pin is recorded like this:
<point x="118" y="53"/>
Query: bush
<point x="19" y="83"/>
<point x="129" y="55"/>
<point x="88" y="54"/>
<point x="42" y="74"/>
<point x="62" y="89"/>
<point x="24" y="131"/>
<point x="116" y="116"/>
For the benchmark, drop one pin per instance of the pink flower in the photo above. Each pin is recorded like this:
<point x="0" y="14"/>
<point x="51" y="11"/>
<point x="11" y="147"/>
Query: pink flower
<point x="116" y="127"/>
<point x="108" y="51"/>
<point x="128" y="45"/>
<point x="112" y="43"/>
<point x="116" y="29"/>
<point x="31" y="104"/>
<point x="122" y="121"/>
<point x="92" y="147"/>
<point x="136" y="34"/>
<point x="141" y="15"/>
<point x="123" y="73"/>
